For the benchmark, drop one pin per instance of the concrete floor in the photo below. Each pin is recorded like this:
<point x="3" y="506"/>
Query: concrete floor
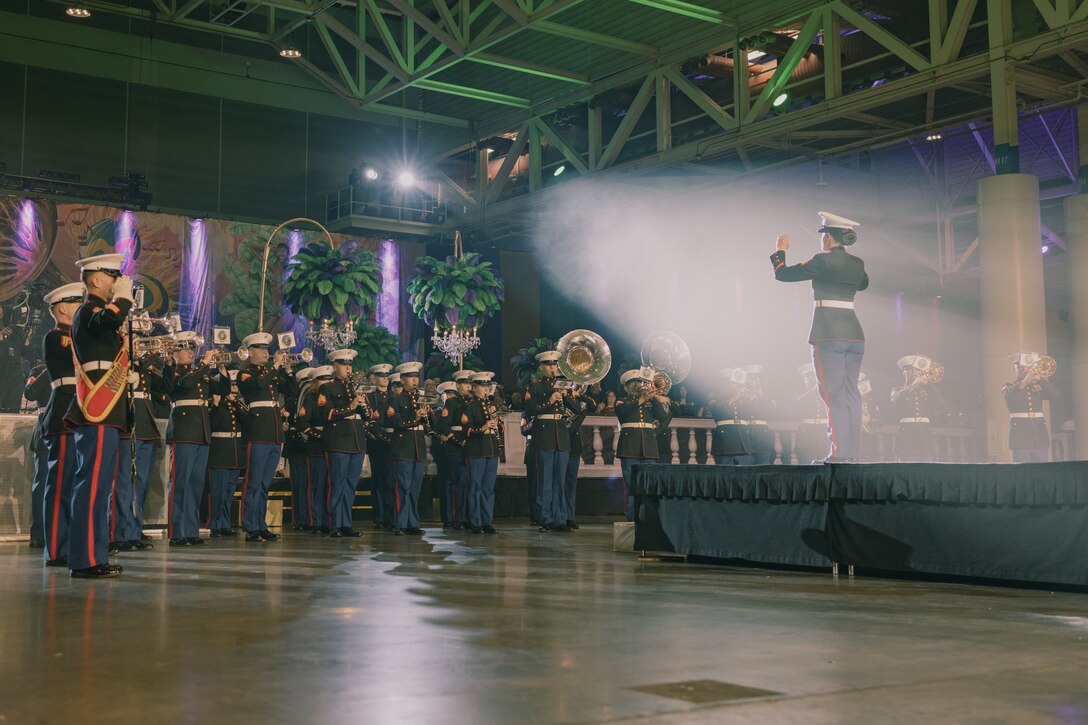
<point x="517" y="628"/>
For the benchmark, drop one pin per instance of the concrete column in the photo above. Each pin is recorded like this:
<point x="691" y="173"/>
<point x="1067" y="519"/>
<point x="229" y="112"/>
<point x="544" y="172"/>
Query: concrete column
<point x="1011" y="281"/>
<point x="1076" y="265"/>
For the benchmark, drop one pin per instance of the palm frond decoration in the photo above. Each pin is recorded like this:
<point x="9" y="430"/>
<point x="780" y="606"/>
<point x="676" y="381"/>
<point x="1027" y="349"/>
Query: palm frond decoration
<point x="459" y="291"/>
<point x="439" y="366"/>
<point x="376" y="346"/>
<point x="524" y="363"/>
<point x="336" y="284"/>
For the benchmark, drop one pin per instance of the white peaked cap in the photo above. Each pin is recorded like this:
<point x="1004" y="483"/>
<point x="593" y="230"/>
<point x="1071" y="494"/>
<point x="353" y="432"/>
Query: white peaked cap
<point x="66" y="292"/>
<point x="101" y="262"/>
<point x="834" y="221"/>
<point x="257" y="338"/>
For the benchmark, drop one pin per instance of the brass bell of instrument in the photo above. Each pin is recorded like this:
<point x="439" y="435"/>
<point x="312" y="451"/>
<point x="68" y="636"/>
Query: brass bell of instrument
<point x="584" y="357"/>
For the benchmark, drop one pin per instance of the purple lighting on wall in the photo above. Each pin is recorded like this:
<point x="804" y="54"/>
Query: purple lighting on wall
<point x="27" y="234"/>
<point x="196" y="295"/>
<point x="295" y="240"/>
<point x="125" y="241"/>
<point x="388" y="312"/>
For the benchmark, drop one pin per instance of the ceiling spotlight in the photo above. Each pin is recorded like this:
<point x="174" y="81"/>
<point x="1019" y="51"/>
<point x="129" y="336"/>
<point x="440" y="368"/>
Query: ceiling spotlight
<point x="559" y="169"/>
<point x="780" y="100"/>
<point x="370" y="173"/>
<point x="1045" y="248"/>
<point x="290" y="52"/>
<point x="78" y="11"/>
<point x="406" y="179"/>
<point x="754" y="55"/>
<point x="933" y="137"/>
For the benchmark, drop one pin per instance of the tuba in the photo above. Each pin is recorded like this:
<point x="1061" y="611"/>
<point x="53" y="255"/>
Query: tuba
<point x="668" y="356"/>
<point x="934" y="373"/>
<point x="584" y="357"/>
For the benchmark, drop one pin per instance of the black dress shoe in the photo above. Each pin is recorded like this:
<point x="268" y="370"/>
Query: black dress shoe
<point x="138" y="545"/>
<point x="572" y="525"/>
<point x="269" y="536"/>
<point x="62" y="561"/>
<point x="179" y="542"/>
<point x="477" y="529"/>
<point x="336" y="534"/>
<point x="545" y="530"/>
<point x="299" y="527"/>
<point x="102" y="571"/>
<point x="115" y="567"/>
<point x="458" y="527"/>
<point x="228" y="532"/>
<point x="414" y="532"/>
<point x="490" y="530"/>
<point x="145" y="537"/>
<point x="197" y="541"/>
<point x="253" y="536"/>
<point x="396" y="532"/>
<point x="216" y="533"/>
<point x="350" y="532"/>
<point x="115" y="546"/>
<point x="37" y="544"/>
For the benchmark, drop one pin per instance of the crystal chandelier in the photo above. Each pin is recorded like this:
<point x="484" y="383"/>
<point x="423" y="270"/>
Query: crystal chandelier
<point x="332" y="337"/>
<point x="455" y="343"/>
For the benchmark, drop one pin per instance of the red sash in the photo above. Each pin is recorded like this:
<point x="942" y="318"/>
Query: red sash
<point x="97" y="400"/>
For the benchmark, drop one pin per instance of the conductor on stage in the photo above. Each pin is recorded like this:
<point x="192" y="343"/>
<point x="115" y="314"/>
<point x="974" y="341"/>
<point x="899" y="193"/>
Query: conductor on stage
<point x="837" y="340"/>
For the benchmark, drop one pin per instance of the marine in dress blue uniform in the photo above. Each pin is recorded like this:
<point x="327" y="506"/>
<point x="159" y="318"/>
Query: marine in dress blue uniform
<point x="294" y="450"/>
<point x="408" y="451"/>
<point x="317" y="484"/>
<point x="191" y="386"/>
<point x="731" y="442"/>
<point x="761" y="409"/>
<point x="1029" y="439"/>
<point x="916" y="404"/>
<point x="582" y="404"/>
<point x="99" y="411"/>
<point x="641" y="414"/>
<point x="227" y="452"/>
<point x="381" y="480"/>
<point x="444" y="464"/>
<point x="56" y="437"/>
<point x="480" y="419"/>
<point x="143" y="436"/>
<point x="548" y="409"/>
<point x="37" y="392"/>
<point x="262" y="386"/>
<point x="837" y="340"/>
<point x="346" y="415"/>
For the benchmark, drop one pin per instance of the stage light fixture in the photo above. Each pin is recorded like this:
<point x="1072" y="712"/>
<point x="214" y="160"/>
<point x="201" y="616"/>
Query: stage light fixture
<point x="78" y="11"/>
<point x="370" y="173"/>
<point x="291" y="52"/>
<point x="406" y="179"/>
<point x="933" y="137"/>
<point x="780" y="100"/>
<point x="1045" y="248"/>
<point x="559" y="170"/>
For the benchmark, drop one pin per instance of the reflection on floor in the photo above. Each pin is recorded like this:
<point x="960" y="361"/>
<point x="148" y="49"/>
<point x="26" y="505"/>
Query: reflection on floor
<point x="519" y="627"/>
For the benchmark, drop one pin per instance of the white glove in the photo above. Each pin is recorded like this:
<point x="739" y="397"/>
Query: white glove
<point x="133" y="378"/>
<point x="122" y="289"/>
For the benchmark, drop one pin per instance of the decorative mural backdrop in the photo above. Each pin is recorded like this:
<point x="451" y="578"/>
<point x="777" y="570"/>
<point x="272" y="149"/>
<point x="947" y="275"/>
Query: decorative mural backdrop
<point x="207" y="270"/>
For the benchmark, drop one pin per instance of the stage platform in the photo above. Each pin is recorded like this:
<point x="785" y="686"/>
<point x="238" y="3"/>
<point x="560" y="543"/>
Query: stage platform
<point x="1022" y="523"/>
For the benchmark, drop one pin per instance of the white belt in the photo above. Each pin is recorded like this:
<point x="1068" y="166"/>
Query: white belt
<point x="757" y="422"/>
<point x="352" y="417"/>
<point x="390" y="430"/>
<point x="840" y="304"/>
<point x="456" y="427"/>
<point x="96" y="365"/>
<point x="732" y="422"/>
<point x="813" y="421"/>
<point x="139" y="396"/>
<point x="914" y="420"/>
<point x="1026" y="415"/>
<point x="226" y="435"/>
<point x="263" y="404"/>
<point x="188" y="403"/>
<point x="62" y="381"/>
<point x="414" y="427"/>
<point x="637" y="425"/>
<point x="548" y="416"/>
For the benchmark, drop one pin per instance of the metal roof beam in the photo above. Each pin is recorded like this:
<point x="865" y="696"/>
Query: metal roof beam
<point x="689" y="10"/>
<point x="524" y="66"/>
<point x="588" y="36"/>
<point x="439" y="34"/>
<point x="476" y="94"/>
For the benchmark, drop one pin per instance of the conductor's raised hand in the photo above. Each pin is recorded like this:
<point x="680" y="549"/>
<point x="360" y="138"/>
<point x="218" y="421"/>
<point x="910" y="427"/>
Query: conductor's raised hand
<point x="783" y="242"/>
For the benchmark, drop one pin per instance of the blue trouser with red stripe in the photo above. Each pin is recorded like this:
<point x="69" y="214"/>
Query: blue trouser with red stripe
<point x="124" y="524"/>
<point x="57" y="504"/>
<point x="300" y="497"/>
<point x="482" y="472"/>
<point x="188" y="471"/>
<point x="838" y="366"/>
<point x="626" y="464"/>
<point x="224" y="481"/>
<point x="551" y="472"/>
<point x="261" y="462"/>
<point x="318" y="488"/>
<point x="462" y="507"/>
<point x="344" y="472"/>
<point x="96" y="466"/>
<point x="444" y="482"/>
<point x="408" y="479"/>
<point x="37" y="492"/>
<point x="570" y="487"/>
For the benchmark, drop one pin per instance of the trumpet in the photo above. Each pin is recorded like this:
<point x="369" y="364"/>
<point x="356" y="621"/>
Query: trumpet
<point x="934" y="373"/>
<point x="658" y="382"/>
<point x="145" y="323"/>
<point x="226" y="357"/>
<point x="1044" y="367"/>
<point x="157" y="345"/>
<point x="304" y="355"/>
